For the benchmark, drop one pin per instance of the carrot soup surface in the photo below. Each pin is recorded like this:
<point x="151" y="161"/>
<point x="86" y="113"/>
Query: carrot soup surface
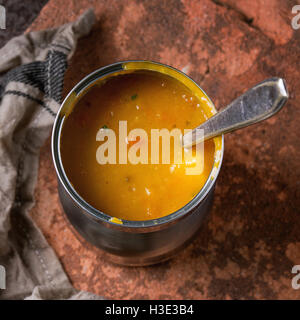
<point x="147" y="100"/>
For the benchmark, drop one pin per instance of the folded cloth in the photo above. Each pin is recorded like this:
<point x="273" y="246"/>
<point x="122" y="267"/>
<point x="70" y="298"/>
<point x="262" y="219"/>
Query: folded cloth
<point x="32" y="68"/>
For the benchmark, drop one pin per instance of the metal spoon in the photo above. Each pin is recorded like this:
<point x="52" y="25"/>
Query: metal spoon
<point x="257" y="104"/>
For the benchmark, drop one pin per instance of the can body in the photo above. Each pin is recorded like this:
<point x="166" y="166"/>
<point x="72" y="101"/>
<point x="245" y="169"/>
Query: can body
<point x="131" y="243"/>
<point x="136" y="246"/>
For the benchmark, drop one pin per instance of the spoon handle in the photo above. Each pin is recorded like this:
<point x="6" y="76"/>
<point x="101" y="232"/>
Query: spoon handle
<point x="257" y="104"/>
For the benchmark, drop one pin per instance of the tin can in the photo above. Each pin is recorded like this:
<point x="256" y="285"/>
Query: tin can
<point x="132" y="243"/>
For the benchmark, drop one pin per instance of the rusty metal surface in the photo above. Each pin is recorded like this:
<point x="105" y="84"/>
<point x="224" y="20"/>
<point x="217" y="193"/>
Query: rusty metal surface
<point x="251" y="241"/>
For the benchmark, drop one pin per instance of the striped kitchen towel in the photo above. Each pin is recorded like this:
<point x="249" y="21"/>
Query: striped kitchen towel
<point x="32" y="68"/>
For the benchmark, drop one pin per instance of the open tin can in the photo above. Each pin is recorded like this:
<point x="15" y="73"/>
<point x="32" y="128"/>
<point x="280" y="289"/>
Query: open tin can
<point x="133" y="243"/>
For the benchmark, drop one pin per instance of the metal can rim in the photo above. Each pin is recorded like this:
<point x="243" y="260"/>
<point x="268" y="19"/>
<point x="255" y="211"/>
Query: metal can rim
<point x="96" y="214"/>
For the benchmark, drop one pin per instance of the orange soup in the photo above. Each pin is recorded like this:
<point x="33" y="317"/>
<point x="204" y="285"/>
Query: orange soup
<point x="147" y="100"/>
